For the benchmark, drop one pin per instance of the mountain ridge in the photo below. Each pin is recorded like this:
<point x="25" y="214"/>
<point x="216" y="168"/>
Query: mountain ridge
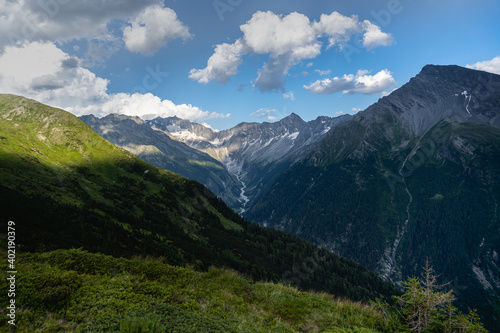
<point x="255" y="153"/>
<point x="413" y="176"/>
<point x="136" y="136"/>
<point x="66" y="187"/>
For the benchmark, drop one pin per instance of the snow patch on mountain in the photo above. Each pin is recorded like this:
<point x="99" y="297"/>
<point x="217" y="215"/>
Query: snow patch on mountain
<point x="185" y="136"/>
<point x="468" y="99"/>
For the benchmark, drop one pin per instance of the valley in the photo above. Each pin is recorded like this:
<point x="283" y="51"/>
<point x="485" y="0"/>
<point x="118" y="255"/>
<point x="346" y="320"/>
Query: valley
<point x="283" y="171"/>
<point x="401" y="150"/>
<point x="427" y="127"/>
<point x="85" y="193"/>
<point x="250" y="166"/>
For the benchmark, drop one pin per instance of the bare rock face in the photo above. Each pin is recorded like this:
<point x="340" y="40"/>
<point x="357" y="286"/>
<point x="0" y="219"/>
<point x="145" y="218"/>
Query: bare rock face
<point x="254" y="153"/>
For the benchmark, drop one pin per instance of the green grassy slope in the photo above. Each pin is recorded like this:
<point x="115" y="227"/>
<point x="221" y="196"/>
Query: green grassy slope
<point x="77" y="291"/>
<point x="66" y="187"/>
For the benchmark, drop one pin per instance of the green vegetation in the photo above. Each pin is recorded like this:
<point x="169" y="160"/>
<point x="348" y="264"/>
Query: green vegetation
<point x="454" y="180"/>
<point x="424" y="308"/>
<point x="74" y="196"/>
<point x="77" y="291"/>
<point x="66" y="187"/>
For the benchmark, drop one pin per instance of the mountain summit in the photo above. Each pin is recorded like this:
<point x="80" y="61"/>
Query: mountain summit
<point x="254" y="153"/>
<point x="154" y="147"/>
<point x="413" y="177"/>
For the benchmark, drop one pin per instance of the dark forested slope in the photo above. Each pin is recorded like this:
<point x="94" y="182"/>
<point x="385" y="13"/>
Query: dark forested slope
<point x="415" y="176"/>
<point x="66" y="187"/>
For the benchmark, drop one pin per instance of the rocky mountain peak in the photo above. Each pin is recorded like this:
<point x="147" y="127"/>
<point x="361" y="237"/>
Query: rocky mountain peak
<point x="444" y="92"/>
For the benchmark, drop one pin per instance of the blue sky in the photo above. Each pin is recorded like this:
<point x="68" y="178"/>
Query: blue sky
<point x="227" y="61"/>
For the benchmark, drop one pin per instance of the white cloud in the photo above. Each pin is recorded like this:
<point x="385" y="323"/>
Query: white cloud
<point x="288" y="40"/>
<point x="149" y="106"/>
<point x="151" y="25"/>
<point x="337" y="27"/>
<point x="491" y="66"/>
<point x="374" y="36"/>
<point x="272" y="118"/>
<point x="152" y="29"/>
<point x="289" y="95"/>
<point x="320" y="72"/>
<point x="268" y="33"/>
<point x="261" y="113"/>
<point x="43" y="72"/>
<point x="340" y="29"/>
<point x="356" y="109"/>
<point x="62" y="20"/>
<point x="361" y="83"/>
<point x="222" y="64"/>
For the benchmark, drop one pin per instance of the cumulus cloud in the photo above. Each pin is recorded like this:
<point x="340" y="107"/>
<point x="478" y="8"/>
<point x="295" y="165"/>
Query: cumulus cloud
<point x="361" y="83"/>
<point x="31" y="20"/>
<point x="222" y="64"/>
<point x="374" y="36"/>
<point x="43" y="72"/>
<point x="268" y="33"/>
<point x="491" y="66"/>
<point x="149" y="106"/>
<point x="337" y="27"/>
<point x="152" y="29"/>
<point x="150" y="24"/>
<point x="287" y="40"/>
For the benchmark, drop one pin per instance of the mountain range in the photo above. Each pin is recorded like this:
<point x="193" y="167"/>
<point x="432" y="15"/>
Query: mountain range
<point x="157" y="148"/>
<point x="67" y="187"/>
<point x="237" y="164"/>
<point x="414" y="177"/>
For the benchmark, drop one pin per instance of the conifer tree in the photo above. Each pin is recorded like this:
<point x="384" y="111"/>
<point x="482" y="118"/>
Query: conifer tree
<point x="426" y="309"/>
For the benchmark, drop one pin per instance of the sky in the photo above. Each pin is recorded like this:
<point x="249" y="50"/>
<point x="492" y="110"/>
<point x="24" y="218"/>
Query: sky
<point x="222" y="62"/>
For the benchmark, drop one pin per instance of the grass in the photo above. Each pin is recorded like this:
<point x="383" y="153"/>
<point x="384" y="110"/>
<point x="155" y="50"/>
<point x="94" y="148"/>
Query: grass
<point x="77" y="291"/>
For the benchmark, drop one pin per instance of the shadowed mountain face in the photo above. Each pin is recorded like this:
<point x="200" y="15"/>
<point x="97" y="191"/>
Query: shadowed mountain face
<point x="159" y="149"/>
<point x="67" y="187"/>
<point x="415" y="176"/>
<point x="236" y="164"/>
<point x="255" y="153"/>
